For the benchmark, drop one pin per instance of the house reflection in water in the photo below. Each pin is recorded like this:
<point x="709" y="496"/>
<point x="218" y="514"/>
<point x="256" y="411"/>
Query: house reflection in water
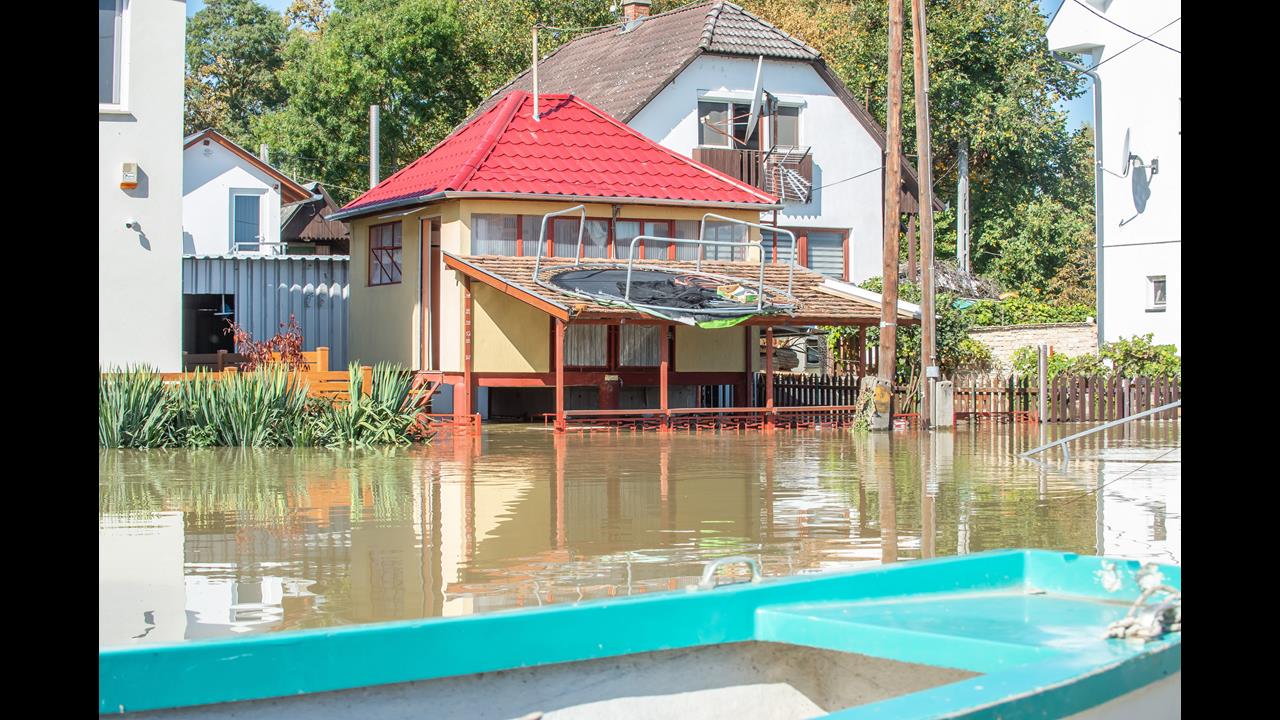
<point x="216" y="543"/>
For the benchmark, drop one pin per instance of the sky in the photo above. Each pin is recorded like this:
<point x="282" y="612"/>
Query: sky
<point x="1079" y="111"/>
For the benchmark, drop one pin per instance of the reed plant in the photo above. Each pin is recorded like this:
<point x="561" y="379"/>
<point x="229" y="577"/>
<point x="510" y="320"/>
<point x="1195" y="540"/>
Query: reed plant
<point x="266" y="407"/>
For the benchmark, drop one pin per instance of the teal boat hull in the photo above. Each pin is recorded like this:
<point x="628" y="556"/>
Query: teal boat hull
<point x="1023" y="629"/>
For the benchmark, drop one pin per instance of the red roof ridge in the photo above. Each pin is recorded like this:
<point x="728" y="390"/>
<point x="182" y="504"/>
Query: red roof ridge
<point x="505" y="111"/>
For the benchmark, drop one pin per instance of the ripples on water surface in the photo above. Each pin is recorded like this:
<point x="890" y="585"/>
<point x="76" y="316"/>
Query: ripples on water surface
<point x="207" y="543"/>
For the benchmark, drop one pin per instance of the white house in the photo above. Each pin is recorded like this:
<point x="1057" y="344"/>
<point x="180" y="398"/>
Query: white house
<point x="686" y="78"/>
<point x="140" y="48"/>
<point x="1139" y="88"/>
<point x="231" y="198"/>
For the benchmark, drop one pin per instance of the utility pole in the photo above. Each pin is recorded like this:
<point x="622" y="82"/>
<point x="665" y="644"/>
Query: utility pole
<point x="928" y="353"/>
<point x="373" y="145"/>
<point x="962" y="208"/>
<point x="536" y="116"/>
<point x="892" y="201"/>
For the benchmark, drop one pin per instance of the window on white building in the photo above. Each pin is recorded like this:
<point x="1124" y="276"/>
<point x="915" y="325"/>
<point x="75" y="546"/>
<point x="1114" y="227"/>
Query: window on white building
<point x="1156" y="292"/>
<point x="110" y="51"/>
<point x="714" y="120"/>
<point x="246" y="222"/>
<point x="788" y="127"/>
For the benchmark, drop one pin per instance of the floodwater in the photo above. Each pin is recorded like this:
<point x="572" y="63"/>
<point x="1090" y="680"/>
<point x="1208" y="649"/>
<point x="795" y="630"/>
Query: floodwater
<point x="209" y="543"/>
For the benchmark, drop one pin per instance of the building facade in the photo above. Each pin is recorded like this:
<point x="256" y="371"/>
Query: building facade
<point x="140" y="66"/>
<point x="1139" y="87"/>
<point x="687" y="79"/>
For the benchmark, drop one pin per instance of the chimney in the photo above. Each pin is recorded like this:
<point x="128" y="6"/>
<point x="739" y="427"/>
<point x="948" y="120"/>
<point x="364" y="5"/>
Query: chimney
<point x="635" y="9"/>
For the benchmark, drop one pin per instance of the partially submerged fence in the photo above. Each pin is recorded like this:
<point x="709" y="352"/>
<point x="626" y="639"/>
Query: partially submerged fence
<point x="1068" y="398"/>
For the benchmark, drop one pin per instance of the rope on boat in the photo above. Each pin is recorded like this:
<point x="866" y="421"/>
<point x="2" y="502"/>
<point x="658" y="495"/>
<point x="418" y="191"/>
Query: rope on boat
<point x="1150" y="622"/>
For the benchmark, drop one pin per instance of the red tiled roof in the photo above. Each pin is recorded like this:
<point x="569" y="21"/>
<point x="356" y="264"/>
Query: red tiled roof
<point x="575" y="150"/>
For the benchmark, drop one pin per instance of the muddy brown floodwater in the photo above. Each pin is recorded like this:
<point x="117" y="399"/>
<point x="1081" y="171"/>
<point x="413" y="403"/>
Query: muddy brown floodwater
<point x="207" y="543"/>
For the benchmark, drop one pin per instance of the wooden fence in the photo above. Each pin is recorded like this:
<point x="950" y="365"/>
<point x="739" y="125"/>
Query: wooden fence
<point x="321" y="382"/>
<point x="1070" y="398"/>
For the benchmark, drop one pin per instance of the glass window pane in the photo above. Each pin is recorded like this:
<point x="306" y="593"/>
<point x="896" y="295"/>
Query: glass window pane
<point x="638" y="345"/>
<point x="788" y="127"/>
<point x="784" y="243"/>
<point x="826" y="253"/>
<point x="741" y="115"/>
<point x="624" y="231"/>
<point x="1158" y="290"/>
<point x="713" y="127"/>
<point x="108" y="51"/>
<point x="656" y="249"/>
<point x="566" y="237"/>
<point x="724" y="232"/>
<point x="246" y="224"/>
<point x="493" y="234"/>
<point x="530" y="226"/>
<point x="687" y="229"/>
<point x="586" y="345"/>
<point x="596" y="242"/>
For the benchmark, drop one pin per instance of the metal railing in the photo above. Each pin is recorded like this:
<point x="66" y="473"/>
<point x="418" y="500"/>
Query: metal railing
<point x="1066" y="454"/>
<point x="578" y="260"/>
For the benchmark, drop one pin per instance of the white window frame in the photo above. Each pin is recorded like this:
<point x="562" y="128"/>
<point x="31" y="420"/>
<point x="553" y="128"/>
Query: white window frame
<point x="745" y="98"/>
<point x="1152" y="305"/>
<point x="121" y="107"/>
<point x="264" y="237"/>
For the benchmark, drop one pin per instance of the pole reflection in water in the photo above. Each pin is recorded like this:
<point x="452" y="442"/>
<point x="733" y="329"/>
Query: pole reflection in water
<point x="207" y="543"/>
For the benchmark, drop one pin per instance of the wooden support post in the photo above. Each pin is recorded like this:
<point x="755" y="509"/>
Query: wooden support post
<point x="748" y="372"/>
<point x="928" y="349"/>
<point x="664" y="365"/>
<point x="560" y="331"/>
<point x="768" y="374"/>
<point x="892" y="200"/>
<point x="464" y="401"/>
<point x="911" y="249"/>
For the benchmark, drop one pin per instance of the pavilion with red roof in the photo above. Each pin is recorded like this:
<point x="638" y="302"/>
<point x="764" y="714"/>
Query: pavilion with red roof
<point x="444" y="277"/>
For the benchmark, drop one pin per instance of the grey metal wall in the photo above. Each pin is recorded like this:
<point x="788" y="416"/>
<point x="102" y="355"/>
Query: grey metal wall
<point x="314" y="288"/>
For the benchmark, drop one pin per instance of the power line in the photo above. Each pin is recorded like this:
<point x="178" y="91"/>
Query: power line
<point x="1131" y="32"/>
<point x="1113" y="57"/>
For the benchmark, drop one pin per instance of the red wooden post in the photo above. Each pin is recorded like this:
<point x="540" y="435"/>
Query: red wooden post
<point x="768" y="374"/>
<point x="560" y="330"/>
<point x="664" y="363"/>
<point x="463" y="400"/>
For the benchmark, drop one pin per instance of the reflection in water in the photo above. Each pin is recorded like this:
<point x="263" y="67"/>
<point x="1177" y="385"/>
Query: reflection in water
<point x="208" y="543"/>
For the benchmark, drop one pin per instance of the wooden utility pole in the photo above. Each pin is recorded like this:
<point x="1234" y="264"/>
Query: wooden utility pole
<point x="912" y="276"/>
<point x="892" y="199"/>
<point x="928" y="353"/>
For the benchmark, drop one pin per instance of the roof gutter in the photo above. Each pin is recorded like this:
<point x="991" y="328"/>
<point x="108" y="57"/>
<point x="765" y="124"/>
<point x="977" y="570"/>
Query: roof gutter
<point x="611" y="200"/>
<point x="364" y="210"/>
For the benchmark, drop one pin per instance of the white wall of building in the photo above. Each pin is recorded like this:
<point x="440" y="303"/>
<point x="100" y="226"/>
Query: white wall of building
<point x="842" y="147"/>
<point x="139" y="272"/>
<point x="1141" y="95"/>
<point x="211" y="176"/>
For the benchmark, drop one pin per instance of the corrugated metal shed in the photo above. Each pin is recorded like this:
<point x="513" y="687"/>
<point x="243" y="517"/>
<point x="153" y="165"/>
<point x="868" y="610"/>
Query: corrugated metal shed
<point x="314" y="288"/>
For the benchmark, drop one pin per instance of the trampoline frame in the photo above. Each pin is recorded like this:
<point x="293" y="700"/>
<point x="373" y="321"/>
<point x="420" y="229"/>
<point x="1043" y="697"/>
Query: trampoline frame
<point x="581" y="210"/>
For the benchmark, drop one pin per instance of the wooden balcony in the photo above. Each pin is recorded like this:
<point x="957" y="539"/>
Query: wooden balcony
<point x="786" y="173"/>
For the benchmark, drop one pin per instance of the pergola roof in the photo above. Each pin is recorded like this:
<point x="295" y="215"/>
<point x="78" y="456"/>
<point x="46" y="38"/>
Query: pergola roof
<point x="818" y="303"/>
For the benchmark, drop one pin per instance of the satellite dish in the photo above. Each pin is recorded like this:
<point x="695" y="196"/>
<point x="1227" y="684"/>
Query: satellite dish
<point x="1124" y="159"/>
<point x="757" y="97"/>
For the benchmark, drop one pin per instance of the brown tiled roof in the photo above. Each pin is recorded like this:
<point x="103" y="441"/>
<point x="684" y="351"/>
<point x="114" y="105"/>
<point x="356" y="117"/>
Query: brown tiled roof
<point x="620" y="72"/>
<point x="514" y="275"/>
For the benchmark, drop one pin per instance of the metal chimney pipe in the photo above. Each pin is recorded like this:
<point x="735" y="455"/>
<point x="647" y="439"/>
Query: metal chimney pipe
<point x="373" y="145"/>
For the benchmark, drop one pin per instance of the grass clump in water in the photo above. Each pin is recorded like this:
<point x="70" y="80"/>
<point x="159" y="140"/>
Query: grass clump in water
<point x="266" y="407"/>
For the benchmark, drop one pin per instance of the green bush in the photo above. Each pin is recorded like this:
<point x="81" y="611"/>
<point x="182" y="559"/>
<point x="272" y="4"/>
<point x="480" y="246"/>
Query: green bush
<point x="1134" y="357"/>
<point x="266" y="407"/>
<point x="1024" y="311"/>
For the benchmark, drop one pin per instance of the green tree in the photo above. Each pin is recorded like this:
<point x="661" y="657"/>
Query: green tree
<point x="233" y="57"/>
<point x="993" y="83"/>
<point x="405" y="57"/>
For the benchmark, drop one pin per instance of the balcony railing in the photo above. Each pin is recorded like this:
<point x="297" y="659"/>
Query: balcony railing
<point x="786" y="172"/>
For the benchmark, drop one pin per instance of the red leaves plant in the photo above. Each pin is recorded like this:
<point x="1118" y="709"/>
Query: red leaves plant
<point x="284" y="347"/>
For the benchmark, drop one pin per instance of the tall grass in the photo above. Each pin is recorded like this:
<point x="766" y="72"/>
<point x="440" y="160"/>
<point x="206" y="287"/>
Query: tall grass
<point x="266" y="407"/>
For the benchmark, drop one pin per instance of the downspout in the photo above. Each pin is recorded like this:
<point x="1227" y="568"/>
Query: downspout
<point x="1097" y="178"/>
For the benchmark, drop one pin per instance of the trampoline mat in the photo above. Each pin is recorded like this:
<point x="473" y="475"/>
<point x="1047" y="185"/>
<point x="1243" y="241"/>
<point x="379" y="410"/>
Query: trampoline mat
<point x="663" y="288"/>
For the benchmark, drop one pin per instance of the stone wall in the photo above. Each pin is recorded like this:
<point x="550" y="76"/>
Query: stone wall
<point x="1067" y="338"/>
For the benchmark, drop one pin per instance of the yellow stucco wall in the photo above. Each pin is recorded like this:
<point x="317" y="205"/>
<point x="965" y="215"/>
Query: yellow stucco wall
<point x="510" y="336"/>
<point x="701" y="350"/>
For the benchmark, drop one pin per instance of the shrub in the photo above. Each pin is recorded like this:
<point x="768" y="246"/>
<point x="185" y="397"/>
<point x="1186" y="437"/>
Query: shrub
<point x="1135" y="357"/>
<point x="132" y="409"/>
